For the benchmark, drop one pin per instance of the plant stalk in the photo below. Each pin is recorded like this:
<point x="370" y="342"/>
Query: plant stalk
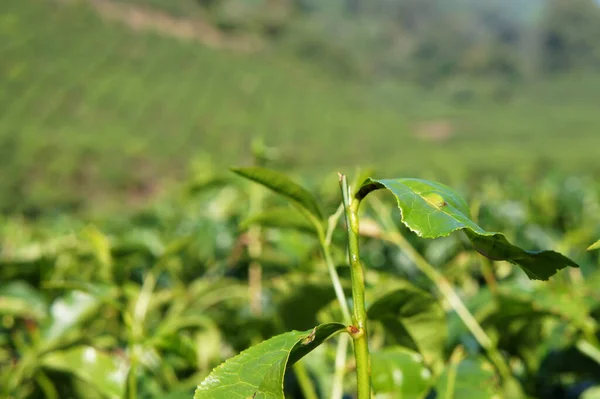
<point x="359" y="331"/>
<point x="325" y="242"/>
<point x="255" y="250"/>
<point x="337" y="389"/>
<point x="306" y="385"/>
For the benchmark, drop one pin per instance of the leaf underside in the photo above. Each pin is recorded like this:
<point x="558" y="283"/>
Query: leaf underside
<point x="433" y="210"/>
<point x="281" y="184"/>
<point x="258" y="371"/>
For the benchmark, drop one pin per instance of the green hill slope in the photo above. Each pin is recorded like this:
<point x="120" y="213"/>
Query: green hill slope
<point x="90" y="108"/>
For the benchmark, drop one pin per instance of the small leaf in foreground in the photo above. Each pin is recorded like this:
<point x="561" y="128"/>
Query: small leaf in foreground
<point x="433" y="210"/>
<point x="415" y="319"/>
<point x="258" y="371"/>
<point x="594" y="246"/>
<point x="105" y="372"/>
<point x="399" y="373"/>
<point x="281" y="184"/>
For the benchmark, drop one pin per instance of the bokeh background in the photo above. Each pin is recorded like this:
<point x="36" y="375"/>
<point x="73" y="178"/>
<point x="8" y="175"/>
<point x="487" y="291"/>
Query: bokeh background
<point x="112" y="99"/>
<point x="128" y="265"/>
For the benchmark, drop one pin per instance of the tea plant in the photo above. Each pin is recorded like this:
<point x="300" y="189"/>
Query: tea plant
<point x="411" y="315"/>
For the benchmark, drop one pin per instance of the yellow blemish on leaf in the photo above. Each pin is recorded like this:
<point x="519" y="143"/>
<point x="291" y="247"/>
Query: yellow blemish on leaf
<point x="435" y="200"/>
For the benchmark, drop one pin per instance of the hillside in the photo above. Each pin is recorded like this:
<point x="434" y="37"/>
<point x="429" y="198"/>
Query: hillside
<point x="93" y="108"/>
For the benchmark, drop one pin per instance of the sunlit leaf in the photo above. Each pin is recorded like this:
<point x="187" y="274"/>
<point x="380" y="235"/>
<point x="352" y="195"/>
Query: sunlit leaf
<point x="433" y="210"/>
<point x="68" y="311"/>
<point x="591" y="393"/>
<point x="18" y="298"/>
<point x="104" y="372"/>
<point x="415" y="319"/>
<point x="100" y="245"/>
<point x="399" y="373"/>
<point x="281" y="184"/>
<point x="258" y="372"/>
<point x="594" y="246"/>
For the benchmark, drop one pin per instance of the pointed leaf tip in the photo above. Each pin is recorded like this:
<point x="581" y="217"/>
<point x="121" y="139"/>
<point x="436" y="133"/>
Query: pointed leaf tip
<point x="433" y="210"/>
<point x="281" y="184"/>
<point x="594" y="246"/>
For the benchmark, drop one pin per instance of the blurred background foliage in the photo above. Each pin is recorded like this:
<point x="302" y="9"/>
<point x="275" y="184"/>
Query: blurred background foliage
<point x="109" y="100"/>
<point x="125" y="268"/>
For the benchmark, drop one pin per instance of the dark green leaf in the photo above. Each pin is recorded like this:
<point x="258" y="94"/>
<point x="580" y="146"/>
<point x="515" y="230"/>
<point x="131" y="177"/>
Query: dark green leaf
<point x="433" y="210"/>
<point x="399" y="373"/>
<point x="280" y="218"/>
<point x="469" y="378"/>
<point x="106" y="373"/>
<point x="281" y="184"/>
<point x="594" y="246"/>
<point x="302" y="297"/>
<point x="415" y="319"/>
<point x="258" y="372"/>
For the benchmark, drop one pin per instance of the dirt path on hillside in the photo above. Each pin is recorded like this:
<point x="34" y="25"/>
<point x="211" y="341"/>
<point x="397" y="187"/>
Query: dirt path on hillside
<point x="140" y="18"/>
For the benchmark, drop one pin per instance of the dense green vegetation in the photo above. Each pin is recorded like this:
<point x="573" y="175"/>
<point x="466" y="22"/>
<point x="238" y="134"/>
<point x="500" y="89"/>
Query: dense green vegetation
<point x="92" y="109"/>
<point x="163" y="295"/>
<point x="132" y="263"/>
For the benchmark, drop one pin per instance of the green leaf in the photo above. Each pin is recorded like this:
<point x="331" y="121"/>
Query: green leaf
<point x="258" y="371"/>
<point x="20" y="299"/>
<point x="415" y="319"/>
<point x="468" y="378"/>
<point x="106" y="373"/>
<point x="100" y="245"/>
<point x="399" y="373"/>
<point x="68" y="311"/>
<point x="280" y="218"/>
<point x="594" y="246"/>
<point x="591" y="393"/>
<point x="281" y="184"/>
<point x="433" y="210"/>
<point x="302" y="297"/>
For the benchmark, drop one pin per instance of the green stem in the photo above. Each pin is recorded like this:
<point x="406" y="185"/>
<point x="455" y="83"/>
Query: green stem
<point x="337" y="284"/>
<point x="255" y="250"/>
<point x="359" y="331"/>
<point x="337" y="389"/>
<point x="445" y="288"/>
<point x="306" y="385"/>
